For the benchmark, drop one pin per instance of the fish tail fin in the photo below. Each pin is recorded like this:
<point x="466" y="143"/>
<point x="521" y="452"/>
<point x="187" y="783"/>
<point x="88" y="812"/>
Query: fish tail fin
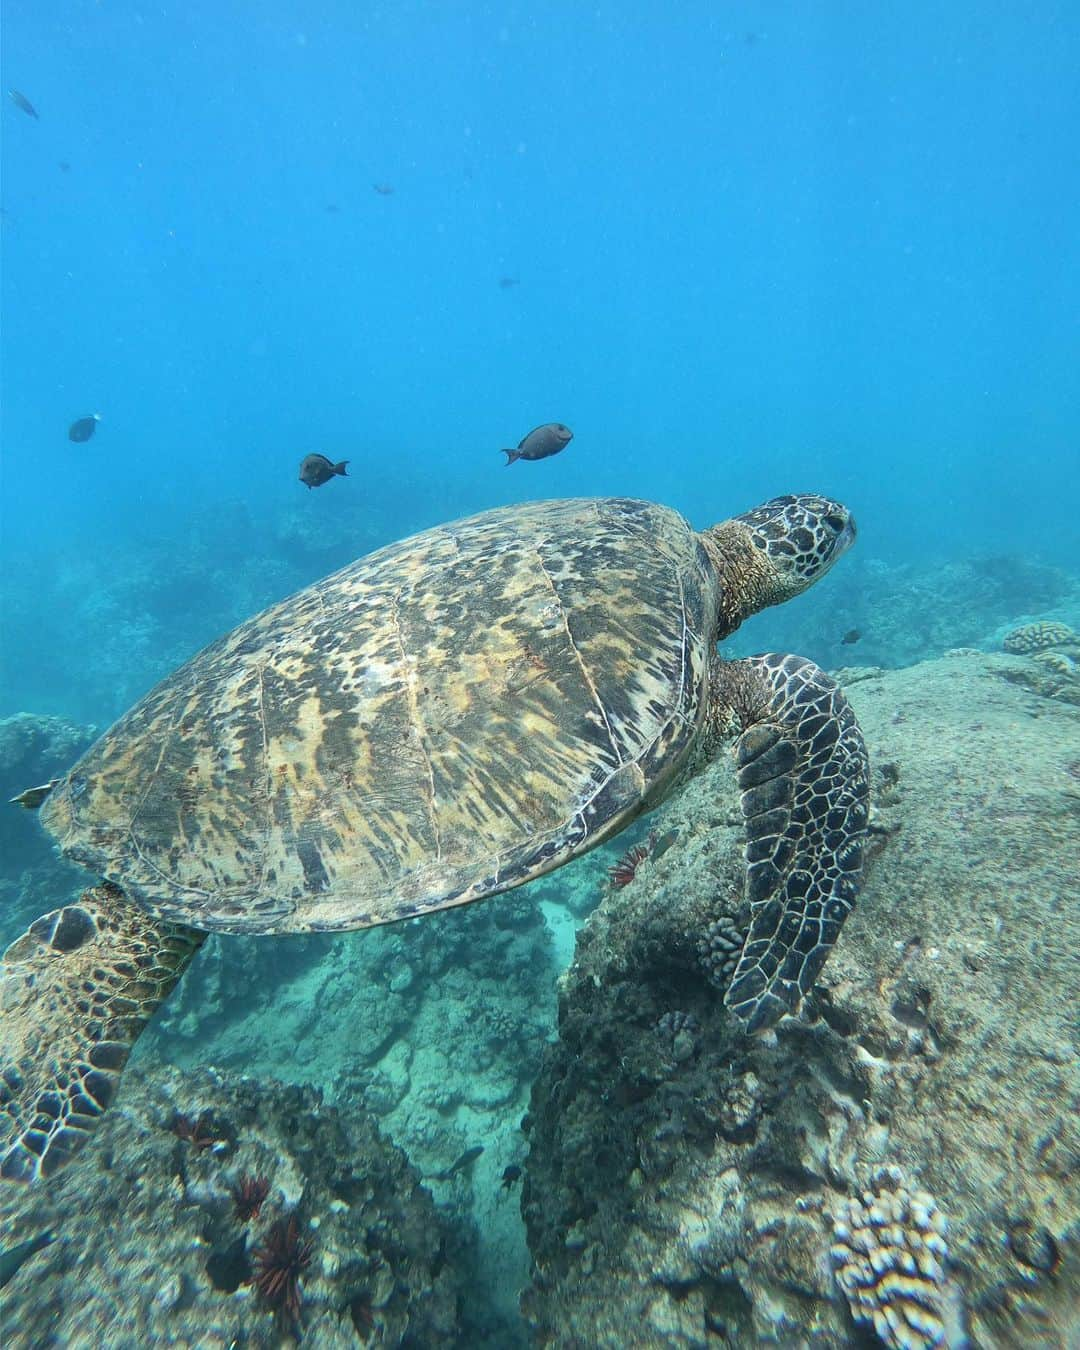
<point x="340" y="468"/>
<point x="511" y="455"/>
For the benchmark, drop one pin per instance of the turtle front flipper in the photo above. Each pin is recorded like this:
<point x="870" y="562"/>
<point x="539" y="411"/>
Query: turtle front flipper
<point x="75" y="992"/>
<point x="804" y="779"/>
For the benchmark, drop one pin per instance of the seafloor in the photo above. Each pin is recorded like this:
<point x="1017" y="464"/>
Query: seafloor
<point x="683" y="1185"/>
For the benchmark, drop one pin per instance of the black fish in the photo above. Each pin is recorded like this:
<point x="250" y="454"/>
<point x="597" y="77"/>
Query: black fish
<point x="84" y="428"/>
<point x="466" y="1160"/>
<point x="315" y="470"/>
<point x="21" y="101"/>
<point x="383" y="189"/>
<point x="510" y="1175"/>
<point x="851" y="637"/>
<point x="506" y="283"/>
<point x="541" y="442"/>
<point x="13" y="1258"/>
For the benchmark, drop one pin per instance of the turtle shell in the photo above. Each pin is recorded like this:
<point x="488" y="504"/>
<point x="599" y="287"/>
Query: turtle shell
<point x="441" y="720"/>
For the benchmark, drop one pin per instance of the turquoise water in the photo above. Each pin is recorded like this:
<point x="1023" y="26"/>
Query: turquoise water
<point x="756" y="250"/>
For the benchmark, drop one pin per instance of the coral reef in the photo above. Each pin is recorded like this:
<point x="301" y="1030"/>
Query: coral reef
<point x="150" y="1250"/>
<point x="691" y="1201"/>
<point x="910" y="612"/>
<point x="436" y="1028"/>
<point x="889" y="1252"/>
<point x="1037" y="637"/>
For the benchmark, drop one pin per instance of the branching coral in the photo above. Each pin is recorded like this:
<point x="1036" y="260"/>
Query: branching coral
<point x="718" y="950"/>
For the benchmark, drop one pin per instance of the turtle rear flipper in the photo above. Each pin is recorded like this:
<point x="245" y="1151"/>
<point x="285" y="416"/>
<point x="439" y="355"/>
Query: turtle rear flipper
<point x="76" y="990"/>
<point x="804" y="779"/>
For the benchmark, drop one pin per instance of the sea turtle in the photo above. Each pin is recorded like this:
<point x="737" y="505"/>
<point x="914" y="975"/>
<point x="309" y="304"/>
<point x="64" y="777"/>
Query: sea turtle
<point x="442" y="720"/>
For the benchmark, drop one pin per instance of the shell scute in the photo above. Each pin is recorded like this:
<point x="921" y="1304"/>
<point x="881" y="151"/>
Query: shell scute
<point x="440" y="720"/>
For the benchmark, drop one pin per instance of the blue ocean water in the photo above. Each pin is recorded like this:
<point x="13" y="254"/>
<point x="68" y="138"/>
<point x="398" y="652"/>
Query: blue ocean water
<point x="753" y="249"/>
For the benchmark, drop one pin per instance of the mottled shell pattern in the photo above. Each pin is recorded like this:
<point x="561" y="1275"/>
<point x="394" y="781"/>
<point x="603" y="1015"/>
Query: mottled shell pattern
<point x="445" y="718"/>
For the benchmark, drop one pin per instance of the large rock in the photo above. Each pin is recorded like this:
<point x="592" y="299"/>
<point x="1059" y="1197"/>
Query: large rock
<point x="689" y="1186"/>
<point x="151" y="1249"/>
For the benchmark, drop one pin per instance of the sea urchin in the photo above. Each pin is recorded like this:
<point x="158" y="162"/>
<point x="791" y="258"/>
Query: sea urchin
<point x="248" y="1196"/>
<point x="278" y="1264"/>
<point x="625" y="870"/>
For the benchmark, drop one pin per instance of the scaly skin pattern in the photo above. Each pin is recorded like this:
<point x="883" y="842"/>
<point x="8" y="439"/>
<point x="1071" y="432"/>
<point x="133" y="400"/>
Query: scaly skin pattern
<point x="804" y="778"/>
<point x="75" y="992"/>
<point x="441" y="720"/>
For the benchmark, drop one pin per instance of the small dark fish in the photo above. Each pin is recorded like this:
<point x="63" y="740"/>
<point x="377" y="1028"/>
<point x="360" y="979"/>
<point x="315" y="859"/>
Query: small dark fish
<point x="466" y="1160"/>
<point x="65" y="167"/>
<point x="14" y="1257"/>
<point x="84" y="428"/>
<point x="384" y="189"/>
<point x="21" y="101"/>
<point x="332" y="209"/>
<point x="510" y="1175"/>
<point x="505" y="283"/>
<point x="851" y="637"/>
<point x="541" y="442"/>
<point x="315" y="470"/>
<point x="32" y="798"/>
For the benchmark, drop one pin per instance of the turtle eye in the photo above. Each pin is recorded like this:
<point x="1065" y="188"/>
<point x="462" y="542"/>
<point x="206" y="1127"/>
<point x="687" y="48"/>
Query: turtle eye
<point x="835" y="522"/>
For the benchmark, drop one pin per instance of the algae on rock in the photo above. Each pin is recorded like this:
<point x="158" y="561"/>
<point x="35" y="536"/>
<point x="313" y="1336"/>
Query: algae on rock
<point x="690" y="1199"/>
<point x="152" y="1247"/>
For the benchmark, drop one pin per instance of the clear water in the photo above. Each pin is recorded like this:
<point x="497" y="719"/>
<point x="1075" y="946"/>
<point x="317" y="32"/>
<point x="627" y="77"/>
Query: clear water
<point x="758" y="249"/>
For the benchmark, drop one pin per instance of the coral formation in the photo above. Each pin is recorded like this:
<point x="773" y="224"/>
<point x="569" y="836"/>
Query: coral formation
<point x="688" y="1202"/>
<point x="1037" y="637"/>
<point x="889" y="1251"/>
<point x="151" y="1251"/>
<point x="718" y="950"/>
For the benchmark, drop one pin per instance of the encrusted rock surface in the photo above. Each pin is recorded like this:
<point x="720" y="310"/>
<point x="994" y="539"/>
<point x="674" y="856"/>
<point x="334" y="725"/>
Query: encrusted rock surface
<point x="691" y="1200"/>
<point x="150" y="1249"/>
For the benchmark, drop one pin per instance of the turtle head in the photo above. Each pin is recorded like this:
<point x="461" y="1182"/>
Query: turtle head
<point x="776" y="551"/>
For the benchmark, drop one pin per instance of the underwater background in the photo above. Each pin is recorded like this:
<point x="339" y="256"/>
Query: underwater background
<point x="755" y="249"/>
<point x="740" y="249"/>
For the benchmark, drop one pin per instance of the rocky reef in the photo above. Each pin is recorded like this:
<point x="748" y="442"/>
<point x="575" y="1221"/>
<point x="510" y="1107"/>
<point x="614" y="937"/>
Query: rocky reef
<point x="219" y="1211"/>
<point x="914" y="611"/>
<point x="899" y="1161"/>
<point x="898" y="1165"/>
